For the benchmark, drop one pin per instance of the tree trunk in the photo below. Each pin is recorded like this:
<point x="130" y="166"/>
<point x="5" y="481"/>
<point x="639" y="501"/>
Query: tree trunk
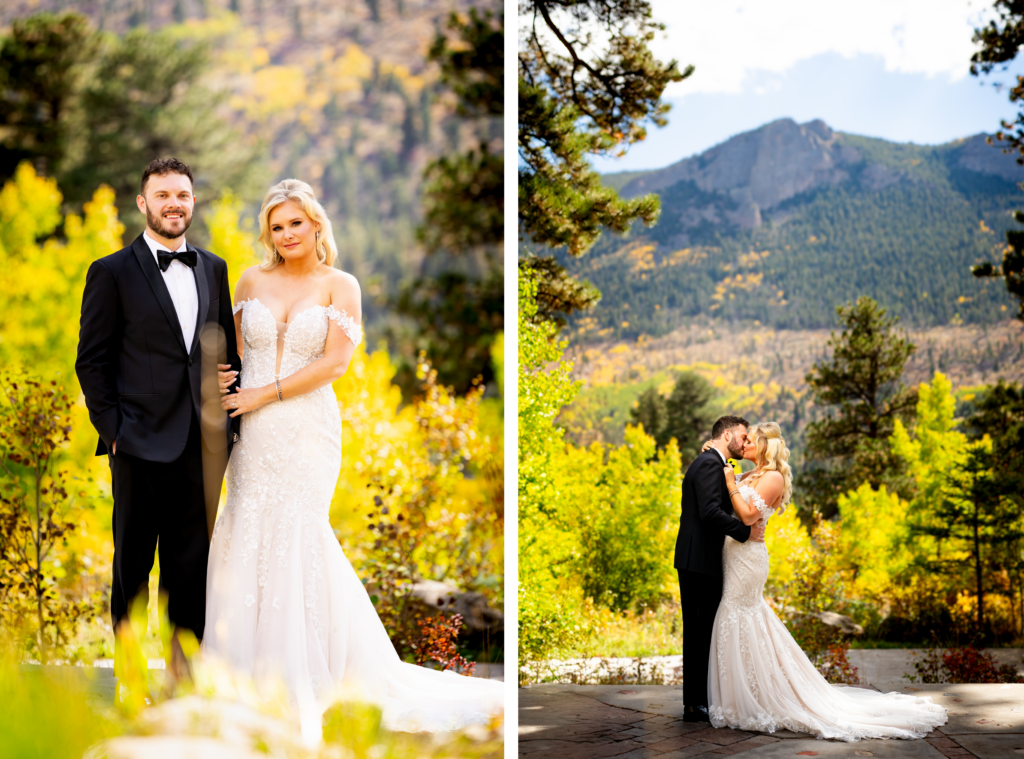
<point x="977" y="572"/>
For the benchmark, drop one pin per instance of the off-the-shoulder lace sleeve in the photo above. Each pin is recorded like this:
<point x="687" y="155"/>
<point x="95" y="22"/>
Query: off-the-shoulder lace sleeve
<point x="347" y="324"/>
<point x="756" y="499"/>
<point x="238" y="306"/>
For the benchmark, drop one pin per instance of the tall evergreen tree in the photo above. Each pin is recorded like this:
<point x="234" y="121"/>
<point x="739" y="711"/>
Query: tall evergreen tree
<point x="1000" y="41"/>
<point x="577" y="98"/>
<point x="685" y="415"/>
<point x="860" y="384"/>
<point x="975" y="513"/>
<point x="146" y="100"/>
<point x="42" y="64"/>
<point x="457" y="305"/>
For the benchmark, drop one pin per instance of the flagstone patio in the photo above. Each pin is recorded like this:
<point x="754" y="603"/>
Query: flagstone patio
<point x="560" y="721"/>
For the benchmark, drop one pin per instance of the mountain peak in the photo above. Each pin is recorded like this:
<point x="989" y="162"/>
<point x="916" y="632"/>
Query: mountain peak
<point x="759" y="169"/>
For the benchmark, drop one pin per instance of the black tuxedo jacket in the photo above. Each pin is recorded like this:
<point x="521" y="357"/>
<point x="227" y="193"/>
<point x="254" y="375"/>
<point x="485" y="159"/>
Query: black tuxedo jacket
<point x="706" y="518"/>
<point x="141" y="382"/>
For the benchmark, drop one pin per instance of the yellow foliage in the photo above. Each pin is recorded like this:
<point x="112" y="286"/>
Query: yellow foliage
<point x="231" y="239"/>
<point x="788" y="543"/>
<point x="275" y="89"/>
<point x="872" y="543"/>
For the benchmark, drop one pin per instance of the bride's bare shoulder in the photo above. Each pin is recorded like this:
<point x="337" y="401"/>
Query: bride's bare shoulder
<point x="344" y="292"/>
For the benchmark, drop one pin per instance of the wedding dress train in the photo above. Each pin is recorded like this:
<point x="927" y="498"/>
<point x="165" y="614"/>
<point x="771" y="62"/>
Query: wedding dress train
<point x="760" y="679"/>
<point x="283" y="602"/>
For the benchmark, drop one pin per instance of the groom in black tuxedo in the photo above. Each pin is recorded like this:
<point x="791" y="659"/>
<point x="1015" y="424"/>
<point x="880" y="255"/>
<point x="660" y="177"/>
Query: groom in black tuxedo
<point x="707" y="517"/>
<point x="150" y="312"/>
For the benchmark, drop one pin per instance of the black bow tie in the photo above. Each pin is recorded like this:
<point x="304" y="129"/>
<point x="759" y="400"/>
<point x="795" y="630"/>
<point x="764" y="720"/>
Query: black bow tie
<point x="187" y="257"/>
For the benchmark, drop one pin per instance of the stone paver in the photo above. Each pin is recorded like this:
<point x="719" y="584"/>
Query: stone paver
<point x="993" y="746"/>
<point x="644" y="722"/>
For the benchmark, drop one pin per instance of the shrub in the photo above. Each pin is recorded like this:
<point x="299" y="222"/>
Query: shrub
<point x="36" y="512"/>
<point x="961" y="665"/>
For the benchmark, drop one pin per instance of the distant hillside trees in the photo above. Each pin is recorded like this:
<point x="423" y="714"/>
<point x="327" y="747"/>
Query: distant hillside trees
<point x="577" y="100"/>
<point x="860" y="387"/>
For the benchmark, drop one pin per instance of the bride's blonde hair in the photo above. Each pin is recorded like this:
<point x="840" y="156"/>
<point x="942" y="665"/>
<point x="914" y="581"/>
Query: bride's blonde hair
<point x="772" y="455"/>
<point x="302" y="195"/>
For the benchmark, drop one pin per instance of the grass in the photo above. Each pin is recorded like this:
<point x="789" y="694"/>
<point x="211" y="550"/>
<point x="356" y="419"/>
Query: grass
<point x="652" y="632"/>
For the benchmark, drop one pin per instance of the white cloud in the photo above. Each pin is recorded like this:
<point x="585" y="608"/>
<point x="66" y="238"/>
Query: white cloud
<point x="726" y="40"/>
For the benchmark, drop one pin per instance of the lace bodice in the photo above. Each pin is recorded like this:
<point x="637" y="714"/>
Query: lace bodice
<point x="302" y="341"/>
<point x="745" y="565"/>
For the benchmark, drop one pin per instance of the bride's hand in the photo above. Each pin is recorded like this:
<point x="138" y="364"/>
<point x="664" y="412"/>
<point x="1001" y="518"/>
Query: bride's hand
<point x="225" y="377"/>
<point x="730" y="474"/>
<point x="707" y="446"/>
<point x="244" y="400"/>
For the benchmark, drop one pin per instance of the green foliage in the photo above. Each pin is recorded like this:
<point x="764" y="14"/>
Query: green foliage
<point x="975" y="512"/>
<point x="558" y="293"/>
<point x="628" y="505"/>
<point x="860" y="384"/>
<point x="1000" y="40"/>
<point x="464" y="195"/>
<point x="575" y="99"/>
<point x="455" y="318"/>
<point x="405" y="487"/>
<point x="595" y="523"/>
<point x="685" y="415"/>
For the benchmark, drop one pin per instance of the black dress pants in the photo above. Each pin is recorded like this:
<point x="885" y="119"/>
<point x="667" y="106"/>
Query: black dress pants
<point x="161" y="503"/>
<point x="700" y="596"/>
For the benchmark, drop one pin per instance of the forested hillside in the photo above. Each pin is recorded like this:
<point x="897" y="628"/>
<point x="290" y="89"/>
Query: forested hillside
<point x="778" y="226"/>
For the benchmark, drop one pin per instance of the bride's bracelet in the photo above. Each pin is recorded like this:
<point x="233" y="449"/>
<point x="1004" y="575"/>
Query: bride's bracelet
<point x="733" y="492"/>
<point x="278" y="383"/>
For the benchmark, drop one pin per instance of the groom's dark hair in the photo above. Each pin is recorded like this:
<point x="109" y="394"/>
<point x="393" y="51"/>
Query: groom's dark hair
<point x="727" y="423"/>
<point x="161" y="166"/>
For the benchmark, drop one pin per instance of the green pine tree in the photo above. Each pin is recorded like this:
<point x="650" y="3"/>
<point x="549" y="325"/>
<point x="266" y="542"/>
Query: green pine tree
<point x="578" y="99"/>
<point x="860" y="386"/>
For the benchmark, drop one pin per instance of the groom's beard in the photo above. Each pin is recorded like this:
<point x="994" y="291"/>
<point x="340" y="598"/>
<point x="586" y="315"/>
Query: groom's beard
<point x="168" y="230"/>
<point x="735" y="448"/>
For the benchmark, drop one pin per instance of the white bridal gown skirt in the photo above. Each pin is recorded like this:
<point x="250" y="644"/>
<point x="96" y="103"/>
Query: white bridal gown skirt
<point x="760" y="679"/>
<point x="283" y="603"/>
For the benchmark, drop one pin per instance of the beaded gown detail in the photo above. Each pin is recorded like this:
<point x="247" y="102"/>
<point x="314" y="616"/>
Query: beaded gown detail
<point x="283" y="603"/>
<point x="760" y="679"/>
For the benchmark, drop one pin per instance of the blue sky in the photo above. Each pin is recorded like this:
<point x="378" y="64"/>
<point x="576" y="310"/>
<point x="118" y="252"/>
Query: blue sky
<point x="896" y="69"/>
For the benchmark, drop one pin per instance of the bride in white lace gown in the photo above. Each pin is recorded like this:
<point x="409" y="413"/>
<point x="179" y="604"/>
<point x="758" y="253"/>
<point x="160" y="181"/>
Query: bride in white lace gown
<point x="759" y="678"/>
<point x="283" y="603"/>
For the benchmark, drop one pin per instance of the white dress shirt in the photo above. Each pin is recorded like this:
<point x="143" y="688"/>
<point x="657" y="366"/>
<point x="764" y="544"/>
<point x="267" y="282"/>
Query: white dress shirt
<point x="181" y="284"/>
<point x="722" y="455"/>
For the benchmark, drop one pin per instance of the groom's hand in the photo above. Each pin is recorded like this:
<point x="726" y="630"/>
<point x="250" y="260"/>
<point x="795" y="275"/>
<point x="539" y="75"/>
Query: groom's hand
<point x="757" y="532"/>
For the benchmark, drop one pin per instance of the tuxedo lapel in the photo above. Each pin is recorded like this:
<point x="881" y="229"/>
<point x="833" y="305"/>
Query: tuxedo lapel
<point x="203" y="291"/>
<point x="156" y="281"/>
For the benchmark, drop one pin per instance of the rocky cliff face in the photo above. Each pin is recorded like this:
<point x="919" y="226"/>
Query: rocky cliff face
<point x="742" y="180"/>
